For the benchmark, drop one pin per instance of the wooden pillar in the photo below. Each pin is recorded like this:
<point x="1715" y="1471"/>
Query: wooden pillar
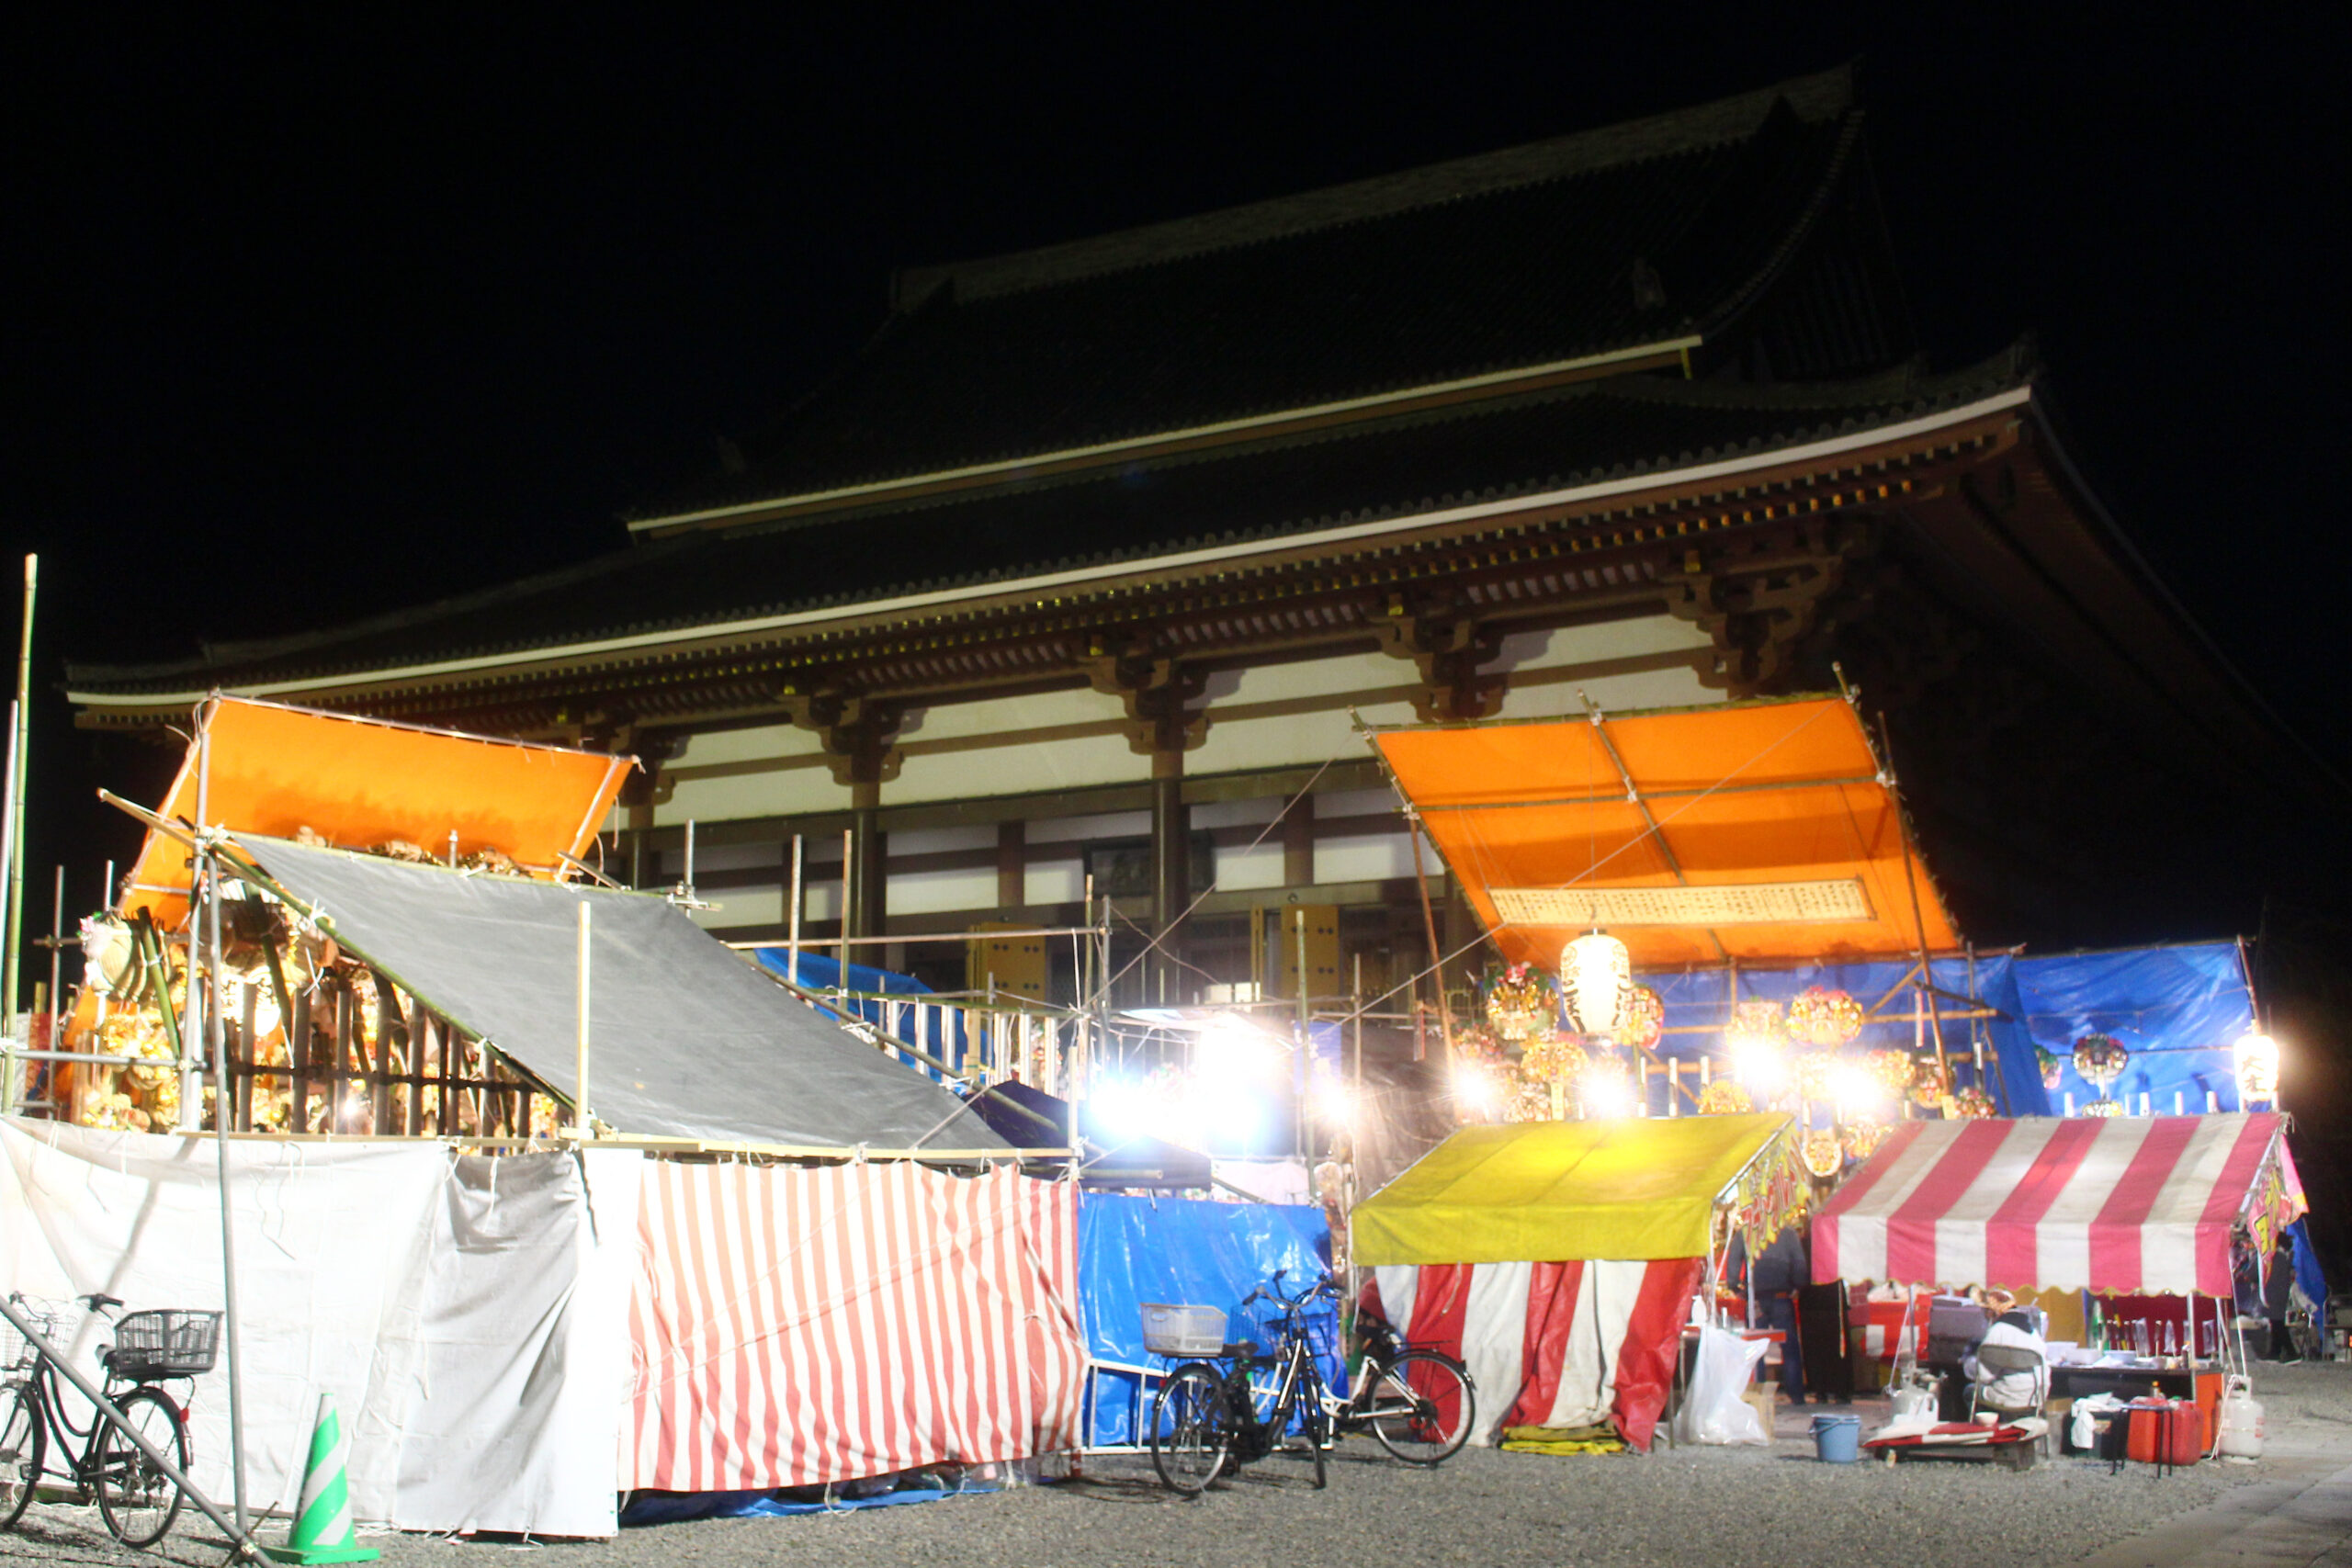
<point x="1170" y="872"/>
<point x="1298" y="844"/>
<point x="1011" y="864"/>
<point x="869" y="880"/>
<point x="1458" y="929"/>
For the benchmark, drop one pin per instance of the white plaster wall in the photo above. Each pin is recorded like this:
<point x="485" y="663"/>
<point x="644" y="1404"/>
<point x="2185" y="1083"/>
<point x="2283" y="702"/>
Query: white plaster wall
<point x="743" y="907"/>
<point x="1056" y="882"/>
<point x="937" y="892"/>
<point x="1374" y="859"/>
<point x="1243" y="870"/>
<point x="1064" y="762"/>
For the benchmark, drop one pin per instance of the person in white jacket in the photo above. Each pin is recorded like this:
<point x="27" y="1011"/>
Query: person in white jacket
<point x="2009" y="1390"/>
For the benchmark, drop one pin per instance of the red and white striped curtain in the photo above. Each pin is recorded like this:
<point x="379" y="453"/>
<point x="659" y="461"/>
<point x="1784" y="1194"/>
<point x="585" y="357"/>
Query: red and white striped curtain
<point x="1568" y="1344"/>
<point x="793" y="1327"/>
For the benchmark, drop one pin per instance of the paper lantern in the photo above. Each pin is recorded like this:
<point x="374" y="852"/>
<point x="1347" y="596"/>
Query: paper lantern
<point x="2256" y="1056"/>
<point x="1518" y="1002"/>
<point x="2100" y="1059"/>
<point x="1596" y="983"/>
<point x="1645" y="1021"/>
<point x="1824" y="1018"/>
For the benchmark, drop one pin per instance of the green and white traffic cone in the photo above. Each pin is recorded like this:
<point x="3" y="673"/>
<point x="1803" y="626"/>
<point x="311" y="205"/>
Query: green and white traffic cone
<point x="322" y="1532"/>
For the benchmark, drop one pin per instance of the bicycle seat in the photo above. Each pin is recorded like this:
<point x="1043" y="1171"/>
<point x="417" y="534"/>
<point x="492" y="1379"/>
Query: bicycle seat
<point x="1241" y="1348"/>
<point x="98" y="1302"/>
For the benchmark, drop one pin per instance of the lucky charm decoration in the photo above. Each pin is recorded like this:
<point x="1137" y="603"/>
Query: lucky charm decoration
<point x="1725" y="1097"/>
<point x="2100" y="1059"/>
<point x="1823" y="1153"/>
<point x="1645" y="1022"/>
<point x="1821" y="1017"/>
<point x="1518" y="1002"/>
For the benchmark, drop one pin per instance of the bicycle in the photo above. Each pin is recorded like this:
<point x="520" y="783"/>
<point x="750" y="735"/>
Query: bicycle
<point x="137" y="1501"/>
<point x="1419" y="1404"/>
<point x="1209" y="1420"/>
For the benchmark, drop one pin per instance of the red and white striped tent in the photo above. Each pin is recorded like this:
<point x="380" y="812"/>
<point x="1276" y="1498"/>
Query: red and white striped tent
<point x="792" y="1326"/>
<point x="1558" y="1259"/>
<point x="2130" y="1205"/>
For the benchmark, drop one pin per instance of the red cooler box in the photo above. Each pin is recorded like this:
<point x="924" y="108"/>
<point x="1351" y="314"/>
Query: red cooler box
<point x="2166" y="1431"/>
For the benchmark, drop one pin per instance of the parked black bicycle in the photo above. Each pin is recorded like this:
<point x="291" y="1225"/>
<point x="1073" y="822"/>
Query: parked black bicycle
<point x="137" y="1501"/>
<point x="1211" y="1418"/>
<point x="1421" y="1404"/>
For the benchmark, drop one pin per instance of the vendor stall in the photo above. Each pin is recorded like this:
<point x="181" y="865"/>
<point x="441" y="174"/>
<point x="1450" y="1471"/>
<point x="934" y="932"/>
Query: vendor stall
<point x="2117" y="1207"/>
<point x="1558" y="1259"/>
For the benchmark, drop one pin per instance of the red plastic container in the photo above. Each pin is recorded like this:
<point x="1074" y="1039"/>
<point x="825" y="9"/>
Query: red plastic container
<point x="2166" y="1431"/>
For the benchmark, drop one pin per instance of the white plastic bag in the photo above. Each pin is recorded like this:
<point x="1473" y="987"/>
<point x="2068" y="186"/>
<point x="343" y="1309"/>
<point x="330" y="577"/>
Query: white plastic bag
<point x="1713" y="1411"/>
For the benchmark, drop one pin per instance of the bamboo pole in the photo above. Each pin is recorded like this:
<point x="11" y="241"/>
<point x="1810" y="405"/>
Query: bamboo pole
<point x="20" y="755"/>
<point x="792" y="941"/>
<point x="580" y="1102"/>
<point x="1305" y="1038"/>
<point x="1428" y="922"/>
<point x="8" y="848"/>
<point x="209" y="873"/>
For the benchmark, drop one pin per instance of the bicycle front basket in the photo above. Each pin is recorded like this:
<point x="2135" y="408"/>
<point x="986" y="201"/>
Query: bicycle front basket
<point x="1183" y="1330"/>
<point x="168" y="1343"/>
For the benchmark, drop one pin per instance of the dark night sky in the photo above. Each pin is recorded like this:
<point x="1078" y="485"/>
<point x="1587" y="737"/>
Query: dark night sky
<point x="306" y="319"/>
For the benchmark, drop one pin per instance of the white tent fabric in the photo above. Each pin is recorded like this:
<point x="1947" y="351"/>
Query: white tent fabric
<point x="468" y="1315"/>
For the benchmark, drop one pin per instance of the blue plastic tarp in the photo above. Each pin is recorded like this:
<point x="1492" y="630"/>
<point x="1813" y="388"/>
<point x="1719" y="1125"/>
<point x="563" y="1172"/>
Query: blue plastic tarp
<point x="940" y="1031"/>
<point x="1699" y="1004"/>
<point x="1181" y="1252"/>
<point x="674" y="1508"/>
<point x="2309" y="1279"/>
<point x="2177" y="1010"/>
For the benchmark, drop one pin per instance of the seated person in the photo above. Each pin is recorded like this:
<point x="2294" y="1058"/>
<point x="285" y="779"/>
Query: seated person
<point x="2009" y="1391"/>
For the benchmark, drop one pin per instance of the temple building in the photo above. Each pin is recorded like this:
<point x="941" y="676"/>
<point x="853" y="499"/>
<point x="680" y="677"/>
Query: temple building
<point x="1094" y="561"/>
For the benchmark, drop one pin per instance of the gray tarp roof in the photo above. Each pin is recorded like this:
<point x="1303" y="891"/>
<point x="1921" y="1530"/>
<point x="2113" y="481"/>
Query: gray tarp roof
<point x="686" y="1039"/>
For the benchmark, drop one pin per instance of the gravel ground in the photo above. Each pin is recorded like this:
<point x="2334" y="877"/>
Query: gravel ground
<point x="1725" y="1508"/>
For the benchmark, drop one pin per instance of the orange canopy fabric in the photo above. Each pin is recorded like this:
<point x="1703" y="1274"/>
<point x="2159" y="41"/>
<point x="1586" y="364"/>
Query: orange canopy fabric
<point x="1771" y="822"/>
<point x="360" y="782"/>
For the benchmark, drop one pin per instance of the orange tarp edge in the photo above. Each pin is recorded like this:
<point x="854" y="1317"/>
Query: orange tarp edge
<point x="360" y="782"/>
<point x="1758" y="793"/>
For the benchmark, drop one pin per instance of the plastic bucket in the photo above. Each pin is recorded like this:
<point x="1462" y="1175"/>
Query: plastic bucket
<point x="1836" y="1439"/>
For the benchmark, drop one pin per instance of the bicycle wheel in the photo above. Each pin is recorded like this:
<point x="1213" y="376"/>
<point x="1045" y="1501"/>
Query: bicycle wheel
<point x="1190" y="1431"/>
<point x="1420" y="1407"/>
<point x="138" y="1500"/>
<point x="24" y="1444"/>
<point x="1315" y="1421"/>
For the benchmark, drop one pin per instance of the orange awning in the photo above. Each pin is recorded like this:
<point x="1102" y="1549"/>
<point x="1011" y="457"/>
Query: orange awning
<point x="1757" y="831"/>
<point x="361" y="782"/>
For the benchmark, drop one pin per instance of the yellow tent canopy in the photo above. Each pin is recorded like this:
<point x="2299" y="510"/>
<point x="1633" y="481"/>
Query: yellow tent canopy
<point x="1751" y="831"/>
<point x="1548" y="1191"/>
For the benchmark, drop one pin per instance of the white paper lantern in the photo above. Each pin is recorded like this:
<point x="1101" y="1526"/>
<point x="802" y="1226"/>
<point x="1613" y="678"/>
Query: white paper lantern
<point x="1597" y="984"/>
<point x="2256" y="1058"/>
